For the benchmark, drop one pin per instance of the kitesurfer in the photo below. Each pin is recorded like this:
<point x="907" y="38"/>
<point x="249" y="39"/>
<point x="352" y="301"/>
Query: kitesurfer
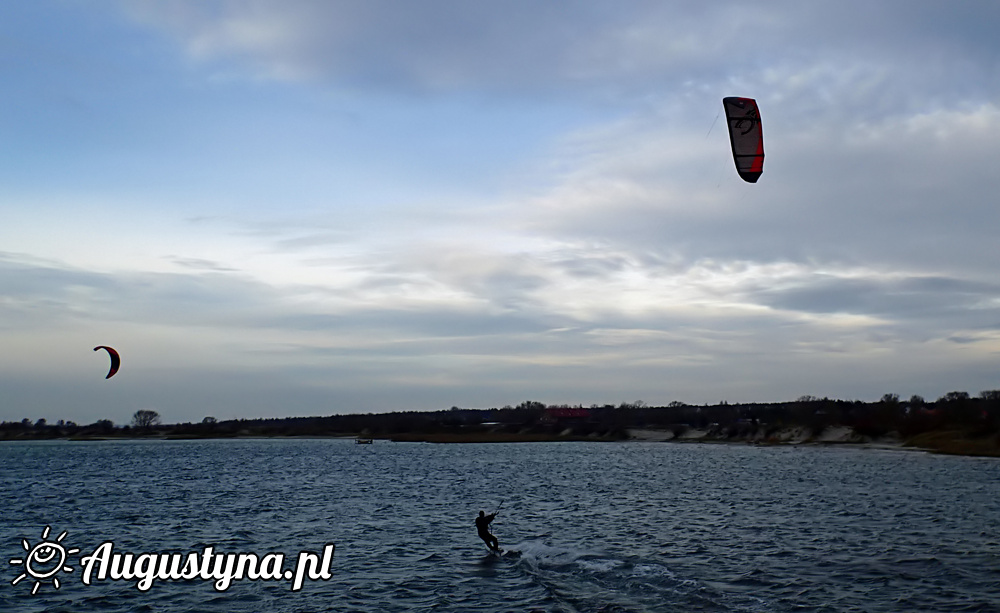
<point x="483" y="527"/>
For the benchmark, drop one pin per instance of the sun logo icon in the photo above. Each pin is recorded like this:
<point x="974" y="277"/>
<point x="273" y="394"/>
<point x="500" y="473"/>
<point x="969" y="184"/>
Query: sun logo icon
<point x="44" y="561"/>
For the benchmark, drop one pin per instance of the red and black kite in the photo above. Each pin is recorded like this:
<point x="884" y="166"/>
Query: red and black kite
<point x="116" y="360"/>
<point x="746" y="136"/>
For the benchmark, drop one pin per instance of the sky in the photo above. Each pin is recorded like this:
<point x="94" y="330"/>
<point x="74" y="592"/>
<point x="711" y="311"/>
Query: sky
<point x="305" y="208"/>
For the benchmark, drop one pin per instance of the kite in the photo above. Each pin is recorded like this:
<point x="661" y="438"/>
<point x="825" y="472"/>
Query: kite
<point x="746" y="136"/>
<point x="116" y="360"/>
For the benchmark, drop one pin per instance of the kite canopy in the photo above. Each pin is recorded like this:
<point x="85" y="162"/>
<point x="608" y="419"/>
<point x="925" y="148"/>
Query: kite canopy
<point x="116" y="360"/>
<point x="746" y="137"/>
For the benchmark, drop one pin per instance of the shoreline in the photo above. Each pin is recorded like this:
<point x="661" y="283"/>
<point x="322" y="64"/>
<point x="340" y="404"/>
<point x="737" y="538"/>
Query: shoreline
<point x="950" y="442"/>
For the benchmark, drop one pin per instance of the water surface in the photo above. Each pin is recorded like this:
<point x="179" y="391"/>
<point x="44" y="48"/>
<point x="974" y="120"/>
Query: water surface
<point x="599" y="526"/>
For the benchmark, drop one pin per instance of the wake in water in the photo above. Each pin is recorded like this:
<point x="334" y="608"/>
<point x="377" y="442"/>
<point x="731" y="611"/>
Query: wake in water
<point x="581" y="581"/>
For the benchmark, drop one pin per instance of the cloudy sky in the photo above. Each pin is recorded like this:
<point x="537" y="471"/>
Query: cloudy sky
<point x="317" y="207"/>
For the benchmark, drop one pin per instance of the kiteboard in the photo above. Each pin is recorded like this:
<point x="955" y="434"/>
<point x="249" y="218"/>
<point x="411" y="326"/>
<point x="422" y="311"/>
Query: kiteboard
<point x="504" y="553"/>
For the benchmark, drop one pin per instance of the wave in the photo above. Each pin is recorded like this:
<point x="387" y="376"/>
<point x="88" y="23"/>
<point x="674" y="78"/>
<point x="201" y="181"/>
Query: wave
<point x="582" y="581"/>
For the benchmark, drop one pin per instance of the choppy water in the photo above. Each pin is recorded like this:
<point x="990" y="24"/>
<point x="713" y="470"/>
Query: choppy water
<point x="600" y="526"/>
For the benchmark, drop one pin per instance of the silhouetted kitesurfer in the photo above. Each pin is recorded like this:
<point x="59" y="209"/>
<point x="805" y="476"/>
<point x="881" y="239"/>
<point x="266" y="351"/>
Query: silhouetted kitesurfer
<point x="483" y="527"/>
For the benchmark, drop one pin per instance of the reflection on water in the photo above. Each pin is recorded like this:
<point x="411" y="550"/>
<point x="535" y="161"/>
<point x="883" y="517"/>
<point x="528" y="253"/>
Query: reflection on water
<point x="597" y="526"/>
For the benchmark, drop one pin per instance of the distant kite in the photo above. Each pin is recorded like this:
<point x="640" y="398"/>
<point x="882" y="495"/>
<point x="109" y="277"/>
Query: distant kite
<point x="116" y="360"/>
<point x="746" y="136"/>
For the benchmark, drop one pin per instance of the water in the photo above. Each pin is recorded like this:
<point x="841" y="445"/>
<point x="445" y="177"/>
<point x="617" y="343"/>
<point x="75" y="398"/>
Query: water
<point x="600" y="526"/>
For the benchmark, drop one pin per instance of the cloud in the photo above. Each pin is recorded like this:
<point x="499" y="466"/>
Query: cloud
<point x="435" y="45"/>
<point x="201" y="264"/>
<point x="567" y="324"/>
<point x="631" y="48"/>
<point x="910" y="192"/>
<point x="418" y="205"/>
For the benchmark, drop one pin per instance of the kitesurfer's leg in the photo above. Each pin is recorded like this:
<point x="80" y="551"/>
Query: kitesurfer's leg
<point x="490" y="540"/>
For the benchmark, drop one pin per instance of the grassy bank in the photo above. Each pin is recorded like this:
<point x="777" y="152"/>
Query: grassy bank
<point x="957" y="442"/>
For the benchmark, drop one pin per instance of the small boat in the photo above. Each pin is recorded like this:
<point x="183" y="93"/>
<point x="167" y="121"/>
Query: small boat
<point x="363" y="441"/>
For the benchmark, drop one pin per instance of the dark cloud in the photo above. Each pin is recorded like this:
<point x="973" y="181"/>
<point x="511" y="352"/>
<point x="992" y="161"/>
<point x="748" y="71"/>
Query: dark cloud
<point x="201" y="264"/>
<point x="942" y="301"/>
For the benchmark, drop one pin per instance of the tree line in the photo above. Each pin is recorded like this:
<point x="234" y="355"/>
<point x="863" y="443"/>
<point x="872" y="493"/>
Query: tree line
<point x="955" y="410"/>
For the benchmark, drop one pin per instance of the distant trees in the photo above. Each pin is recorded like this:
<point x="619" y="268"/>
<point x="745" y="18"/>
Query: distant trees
<point x="959" y="409"/>
<point x="103" y="426"/>
<point x="145" y="418"/>
<point x="954" y="397"/>
<point x="954" y="411"/>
